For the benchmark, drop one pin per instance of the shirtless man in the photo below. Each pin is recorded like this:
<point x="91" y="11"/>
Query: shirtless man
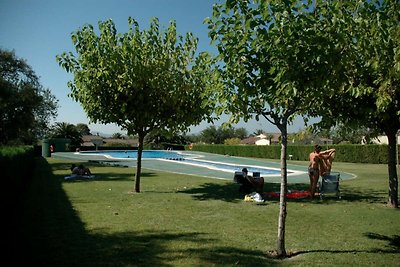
<point x="320" y="164"/>
<point x="326" y="157"/>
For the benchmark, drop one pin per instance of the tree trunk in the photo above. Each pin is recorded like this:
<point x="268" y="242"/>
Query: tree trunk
<point x="392" y="169"/>
<point x="139" y="163"/>
<point x="281" y="250"/>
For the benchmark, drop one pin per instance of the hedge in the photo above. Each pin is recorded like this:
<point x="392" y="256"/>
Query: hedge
<point x="17" y="165"/>
<point x="376" y="154"/>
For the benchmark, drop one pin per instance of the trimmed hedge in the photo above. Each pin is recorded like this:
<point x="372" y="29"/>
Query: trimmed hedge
<point x="16" y="163"/>
<point x="375" y="154"/>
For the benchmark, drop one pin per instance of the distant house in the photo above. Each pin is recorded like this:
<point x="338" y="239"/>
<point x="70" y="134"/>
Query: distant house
<point x="325" y="141"/>
<point x="263" y="142"/>
<point x="382" y="140"/>
<point x="96" y="140"/>
<point x="262" y="139"/>
<point x="92" y="140"/>
<point x="249" y="140"/>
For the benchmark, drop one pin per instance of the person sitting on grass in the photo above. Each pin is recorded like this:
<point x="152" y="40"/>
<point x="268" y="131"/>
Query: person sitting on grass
<point x="74" y="169"/>
<point x="256" y="182"/>
<point x="84" y="170"/>
<point x="80" y="170"/>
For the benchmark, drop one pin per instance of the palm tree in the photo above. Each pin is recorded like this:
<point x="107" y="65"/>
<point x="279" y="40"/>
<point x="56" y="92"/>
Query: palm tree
<point x="66" y="130"/>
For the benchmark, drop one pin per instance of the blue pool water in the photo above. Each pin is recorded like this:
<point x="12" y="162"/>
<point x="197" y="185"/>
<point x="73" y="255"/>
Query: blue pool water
<point x="128" y="154"/>
<point x="229" y="167"/>
<point x="188" y="159"/>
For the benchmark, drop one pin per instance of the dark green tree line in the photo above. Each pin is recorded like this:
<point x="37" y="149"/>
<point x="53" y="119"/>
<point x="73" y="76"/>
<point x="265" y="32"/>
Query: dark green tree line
<point x="26" y="108"/>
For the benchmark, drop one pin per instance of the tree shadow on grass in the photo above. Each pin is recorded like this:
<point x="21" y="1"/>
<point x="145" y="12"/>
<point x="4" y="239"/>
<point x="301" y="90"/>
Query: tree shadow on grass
<point x="345" y="251"/>
<point x="99" y="174"/>
<point x="363" y="195"/>
<point x="393" y="242"/>
<point x="51" y="233"/>
<point x="227" y="192"/>
<point x="348" y="194"/>
<point x="66" y="165"/>
<point x="155" y="249"/>
<point x="230" y="192"/>
<point x="393" y="247"/>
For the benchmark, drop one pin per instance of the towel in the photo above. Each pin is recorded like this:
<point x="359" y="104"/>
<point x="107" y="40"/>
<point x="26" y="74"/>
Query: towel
<point x="76" y="176"/>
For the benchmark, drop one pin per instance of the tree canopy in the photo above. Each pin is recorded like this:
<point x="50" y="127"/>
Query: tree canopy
<point x="144" y="81"/>
<point x="26" y="108"/>
<point x="272" y="61"/>
<point x="214" y="135"/>
<point x="83" y="129"/>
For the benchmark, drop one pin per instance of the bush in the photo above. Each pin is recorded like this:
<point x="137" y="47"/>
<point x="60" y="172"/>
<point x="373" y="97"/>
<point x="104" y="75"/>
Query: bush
<point x="232" y="141"/>
<point x="376" y="154"/>
<point x="17" y="165"/>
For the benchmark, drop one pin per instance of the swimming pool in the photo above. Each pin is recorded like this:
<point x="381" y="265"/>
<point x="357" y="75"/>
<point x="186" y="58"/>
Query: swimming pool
<point x="186" y="158"/>
<point x="132" y="154"/>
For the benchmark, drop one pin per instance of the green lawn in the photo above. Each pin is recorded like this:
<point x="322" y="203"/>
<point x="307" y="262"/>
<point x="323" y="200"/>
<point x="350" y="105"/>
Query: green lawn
<point x="181" y="220"/>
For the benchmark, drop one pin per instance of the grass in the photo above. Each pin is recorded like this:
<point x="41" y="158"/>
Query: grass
<point x="181" y="220"/>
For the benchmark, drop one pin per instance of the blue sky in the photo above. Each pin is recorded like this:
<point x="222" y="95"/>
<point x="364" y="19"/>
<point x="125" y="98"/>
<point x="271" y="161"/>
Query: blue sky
<point x="38" y="30"/>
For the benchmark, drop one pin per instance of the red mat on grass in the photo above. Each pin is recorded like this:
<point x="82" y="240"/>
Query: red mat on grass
<point x="292" y="194"/>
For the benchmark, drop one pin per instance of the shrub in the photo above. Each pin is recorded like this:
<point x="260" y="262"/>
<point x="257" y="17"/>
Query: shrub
<point x="376" y="154"/>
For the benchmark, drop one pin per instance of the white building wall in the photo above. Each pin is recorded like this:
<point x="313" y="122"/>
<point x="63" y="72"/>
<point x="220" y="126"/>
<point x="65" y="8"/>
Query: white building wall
<point x="263" y="142"/>
<point x="383" y="140"/>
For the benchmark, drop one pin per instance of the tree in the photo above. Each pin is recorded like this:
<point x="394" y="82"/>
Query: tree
<point x="273" y="57"/>
<point x="165" y="139"/>
<point x="25" y="106"/>
<point x="67" y="130"/>
<point x="143" y="81"/>
<point x="378" y="52"/>
<point x="241" y="133"/>
<point x="258" y="132"/>
<point x="209" y="135"/>
<point x="367" y="91"/>
<point x="232" y="141"/>
<point x="214" y="135"/>
<point x="192" y="138"/>
<point x="83" y="129"/>
<point x="117" y="136"/>
<point x="354" y="135"/>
